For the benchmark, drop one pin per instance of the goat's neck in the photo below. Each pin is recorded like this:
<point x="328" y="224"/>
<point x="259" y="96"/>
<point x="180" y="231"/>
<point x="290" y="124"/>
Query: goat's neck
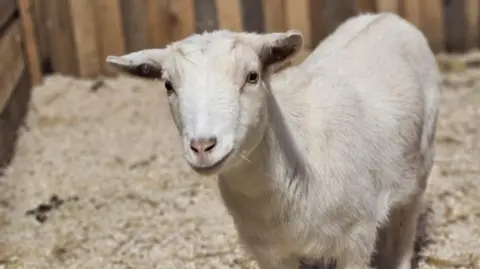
<point x="276" y="160"/>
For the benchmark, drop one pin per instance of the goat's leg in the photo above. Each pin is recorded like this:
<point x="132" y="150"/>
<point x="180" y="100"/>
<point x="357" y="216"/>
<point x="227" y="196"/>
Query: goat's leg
<point x="395" y="242"/>
<point x="267" y="259"/>
<point x="360" y="247"/>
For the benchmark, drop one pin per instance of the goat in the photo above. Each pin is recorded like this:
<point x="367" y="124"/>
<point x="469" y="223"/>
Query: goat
<point x="313" y="159"/>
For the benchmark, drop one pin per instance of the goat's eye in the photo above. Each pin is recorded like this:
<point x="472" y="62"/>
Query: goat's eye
<point x="252" y="77"/>
<point x="144" y="69"/>
<point x="169" y="87"/>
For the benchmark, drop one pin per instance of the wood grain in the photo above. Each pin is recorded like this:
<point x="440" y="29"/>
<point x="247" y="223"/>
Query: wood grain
<point x="135" y="23"/>
<point x="252" y="16"/>
<point x="334" y="13"/>
<point x="85" y="34"/>
<point x="60" y="35"/>
<point x="183" y="15"/>
<point x="433" y="24"/>
<point x="274" y="15"/>
<point x="12" y="117"/>
<point x="30" y="41"/>
<point x="205" y="15"/>
<point x="298" y="17"/>
<point x="388" y="6"/>
<point x="412" y="10"/>
<point x="229" y="15"/>
<point x="12" y="64"/>
<point x="111" y="38"/>
<point x="41" y="31"/>
<point x="159" y="27"/>
<point x="472" y="8"/>
<point x="317" y="22"/>
<point x="7" y="8"/>
<point x="455" y="26"/>
<point x="366" y="6"/>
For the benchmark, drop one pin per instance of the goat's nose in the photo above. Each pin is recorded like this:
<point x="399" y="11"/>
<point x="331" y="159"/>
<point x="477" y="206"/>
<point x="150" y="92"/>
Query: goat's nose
<point x="203" y="145"/>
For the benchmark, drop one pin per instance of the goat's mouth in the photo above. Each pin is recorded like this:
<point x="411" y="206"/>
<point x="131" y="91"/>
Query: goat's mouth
<point x="211" y="169"/>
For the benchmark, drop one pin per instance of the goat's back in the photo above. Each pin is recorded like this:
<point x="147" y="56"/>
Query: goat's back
<point x="367" y="108"/>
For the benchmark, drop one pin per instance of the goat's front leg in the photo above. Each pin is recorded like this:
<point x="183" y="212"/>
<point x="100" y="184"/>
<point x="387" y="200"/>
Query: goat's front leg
<point x="268" y="259"/>
<point x="360" y="246"/>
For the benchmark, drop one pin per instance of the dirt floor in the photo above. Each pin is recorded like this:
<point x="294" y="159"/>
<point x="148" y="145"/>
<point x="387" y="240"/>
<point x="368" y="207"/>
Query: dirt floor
<point x="98" y="182"/>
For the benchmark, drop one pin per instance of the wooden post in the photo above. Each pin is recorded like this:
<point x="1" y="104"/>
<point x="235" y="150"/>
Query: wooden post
<point x="12" y="62"/>
<point x="60" y="34"/>
<point x="472" y="8"/>
<point x="455" y="26"/>
<point x="86" y="37"/>
<point x="31" y="48"/>
<point x="389" y="6"/>
<point x="159" y="24"/>
<point x="433" y="24"/>
<point x="413" y="12"/>
<point x="205" y="15"/>
<point x="110" y="34"/>
<point x="135" y="24"/>
<point x="298" y="17"/>
<point x="366" y="6"/>
<point x="274" y="15"/>
<point x="229" y="15"/>
<point x="183" y="15"/>
<point x="252" y="16"/>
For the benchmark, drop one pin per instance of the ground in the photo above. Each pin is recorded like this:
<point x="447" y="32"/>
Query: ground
<point x="98" y="182"/>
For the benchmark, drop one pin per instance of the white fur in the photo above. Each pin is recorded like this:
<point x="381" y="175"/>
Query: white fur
<point x="323" y="153"/>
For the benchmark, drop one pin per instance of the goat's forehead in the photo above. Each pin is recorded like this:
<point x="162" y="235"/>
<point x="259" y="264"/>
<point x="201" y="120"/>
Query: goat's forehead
<point x="219" y="54"/>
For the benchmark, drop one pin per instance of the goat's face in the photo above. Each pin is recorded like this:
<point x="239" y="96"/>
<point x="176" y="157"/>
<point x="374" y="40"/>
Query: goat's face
<point x="216" y="84"/>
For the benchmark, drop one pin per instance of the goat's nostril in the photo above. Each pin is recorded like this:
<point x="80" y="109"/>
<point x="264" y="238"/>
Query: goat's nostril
<point x="193" y="147"/>
<point x="203" y="145"/>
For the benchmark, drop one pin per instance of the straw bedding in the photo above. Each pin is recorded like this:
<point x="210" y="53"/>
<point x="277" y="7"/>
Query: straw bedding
<point x="98" y="182"/>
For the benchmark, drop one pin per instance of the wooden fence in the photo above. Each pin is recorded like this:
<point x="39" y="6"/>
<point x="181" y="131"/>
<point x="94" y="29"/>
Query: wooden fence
<point x="17" y="73"/>
<point x="75" y="36"/>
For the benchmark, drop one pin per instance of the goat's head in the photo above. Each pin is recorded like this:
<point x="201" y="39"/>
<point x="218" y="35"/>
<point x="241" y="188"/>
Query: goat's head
<point x="216" y="84"/>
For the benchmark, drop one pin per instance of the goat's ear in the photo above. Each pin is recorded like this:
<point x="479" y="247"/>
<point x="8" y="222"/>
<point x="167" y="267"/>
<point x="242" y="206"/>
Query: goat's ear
<point x="144" y="63"/>
<point x="275" y="48"/>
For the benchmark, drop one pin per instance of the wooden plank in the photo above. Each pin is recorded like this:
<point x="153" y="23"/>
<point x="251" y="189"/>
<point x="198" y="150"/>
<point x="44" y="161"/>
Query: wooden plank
<point x="334" y="13"/>
<point x="389" y="6"/>
<point x="205" y="15"/>
<point x="274" y="15"/>
<point x="229" y="15"/>
<point x="31" y="46"/>
<point x="85" y="35"/>
<point x="41" y="30"/>
<point x="298" y="17"/>
<point x="472" y="8"/>
<point x="135" y="23"/>
<point x="159" y="28"/>
<point x="413" y="12"/>
<point x="433" y="24"/>
<point x="366" y="6"/>
<point x="183" y="14"/>
<point x="12" y="64"/>
<point x="12" y="117"/>
<point x="455" y="26"/>
<point x="7" y="8"/>
<point x="317" y="22"/>
<point x="61" y="42"/>
<point x="252" y="15"/>
<point x="111" y="38"/>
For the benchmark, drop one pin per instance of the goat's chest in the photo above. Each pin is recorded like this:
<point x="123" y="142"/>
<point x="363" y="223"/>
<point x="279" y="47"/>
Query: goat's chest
<point x="277" y="223"/>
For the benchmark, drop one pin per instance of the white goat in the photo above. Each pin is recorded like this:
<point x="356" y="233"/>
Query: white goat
<point x="311" y="160"/>
<point x="349" y="29"/>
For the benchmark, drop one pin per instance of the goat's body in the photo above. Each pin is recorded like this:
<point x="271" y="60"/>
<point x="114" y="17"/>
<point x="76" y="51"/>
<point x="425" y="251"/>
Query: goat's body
<point x="350" y="140"/>
<point x="344" y="33"/>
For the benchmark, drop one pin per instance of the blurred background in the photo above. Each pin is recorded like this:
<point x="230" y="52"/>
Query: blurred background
<point x="91" y="174"/>
<point x="73" y="37"/>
